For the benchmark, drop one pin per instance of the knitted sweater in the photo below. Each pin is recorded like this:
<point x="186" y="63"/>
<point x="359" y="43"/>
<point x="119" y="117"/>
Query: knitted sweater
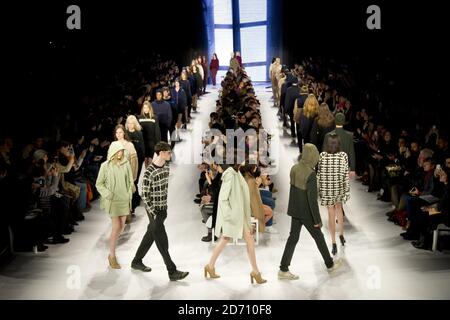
<point x="155" y="186"/>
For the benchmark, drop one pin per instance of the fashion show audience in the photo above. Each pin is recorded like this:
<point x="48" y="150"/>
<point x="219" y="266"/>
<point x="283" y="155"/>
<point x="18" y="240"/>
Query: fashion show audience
<point x="406" y="163"/>
<point x="49" y="181"/>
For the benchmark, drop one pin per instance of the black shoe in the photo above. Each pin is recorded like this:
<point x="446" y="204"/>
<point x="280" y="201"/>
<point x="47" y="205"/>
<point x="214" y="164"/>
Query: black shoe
<point x="409" y="236"/>
<point x="60" y="240"/>
<point x="342" y="240"/>
<point x="207" y="238"/>
<point x="197" y="201"/>
<point x="178" y="275"/>
<point x="140" y="266"/>
<point x="41" y="247"/>
<point x="419" y="245"/>
<point x="334" y="250"/>
<point x="198" y="195"/>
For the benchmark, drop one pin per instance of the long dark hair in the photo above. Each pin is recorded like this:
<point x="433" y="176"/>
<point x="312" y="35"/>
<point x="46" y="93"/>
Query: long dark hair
<point x="333" y="144"/>
<point x="125" y="134"/>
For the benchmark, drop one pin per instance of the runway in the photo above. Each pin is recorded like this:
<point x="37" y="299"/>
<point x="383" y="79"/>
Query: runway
<point x="377" y="262"/>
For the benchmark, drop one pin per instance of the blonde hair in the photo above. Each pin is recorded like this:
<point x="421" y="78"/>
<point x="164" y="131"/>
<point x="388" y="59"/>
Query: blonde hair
<point x="150" y="112"/>
<point x="325" y="118"/>
<point x="133" y="119"/>
<point x="311" y="106"/>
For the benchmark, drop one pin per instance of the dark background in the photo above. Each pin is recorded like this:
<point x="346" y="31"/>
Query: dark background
<point x="407" y="59"/>
<point x="50" y="66"/>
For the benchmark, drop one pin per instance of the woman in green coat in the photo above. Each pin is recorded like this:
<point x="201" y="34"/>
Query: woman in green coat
<point x="233" y="220"/>
<point x="115" y="185"/>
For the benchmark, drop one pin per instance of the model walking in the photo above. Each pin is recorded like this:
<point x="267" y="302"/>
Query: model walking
<point x="115" y="185"/>
<point x="233" y="220"/>
<point x="155" y="186"/>
<point x="334" y="186"/>
<point x="304" y="210"/>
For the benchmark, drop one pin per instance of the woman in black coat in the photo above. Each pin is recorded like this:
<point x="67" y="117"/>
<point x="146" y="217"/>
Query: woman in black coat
<point x="186" y="86"/>
<point x="134" y="132"/>
<point x="151" y="131"/>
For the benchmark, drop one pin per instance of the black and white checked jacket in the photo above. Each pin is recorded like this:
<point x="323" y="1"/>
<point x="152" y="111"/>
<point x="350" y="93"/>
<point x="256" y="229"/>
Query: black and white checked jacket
<point x="155" y="187"/>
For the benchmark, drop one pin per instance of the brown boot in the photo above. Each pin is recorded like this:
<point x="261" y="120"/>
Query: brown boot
<point x="113" y="263"/>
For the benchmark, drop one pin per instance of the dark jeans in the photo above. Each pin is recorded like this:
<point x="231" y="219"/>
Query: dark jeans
<point x="156" y="232"/>
<point x="316" y="233"/>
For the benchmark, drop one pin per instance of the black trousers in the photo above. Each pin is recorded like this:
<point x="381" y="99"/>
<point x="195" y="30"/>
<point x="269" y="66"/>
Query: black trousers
<point x="299" y="137"/>
<point x="156" y="232"/>
<point x="316" y="233"/>
<point x="136" y="200"/>
<point x="163" y="128"/>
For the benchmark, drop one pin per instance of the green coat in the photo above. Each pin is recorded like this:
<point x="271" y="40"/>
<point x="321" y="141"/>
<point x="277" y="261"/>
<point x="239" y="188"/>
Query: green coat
<point x="303" y="194"/>
<point x="115" y="183"/>
<point x="233" y="211"/>
<point x="303" y="203"/>
<point x="346" y="139"/>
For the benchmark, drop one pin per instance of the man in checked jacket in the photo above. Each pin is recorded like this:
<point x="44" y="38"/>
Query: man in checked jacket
<point x="154" y="194"/>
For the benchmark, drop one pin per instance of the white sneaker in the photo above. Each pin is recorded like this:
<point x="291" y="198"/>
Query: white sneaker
<point x="271" y="230"/>
<point x="336" y="265"/>
<point x="287" y="275"/>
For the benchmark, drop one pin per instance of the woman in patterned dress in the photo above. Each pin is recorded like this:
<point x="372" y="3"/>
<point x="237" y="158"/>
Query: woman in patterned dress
<point x="334" y="187"/>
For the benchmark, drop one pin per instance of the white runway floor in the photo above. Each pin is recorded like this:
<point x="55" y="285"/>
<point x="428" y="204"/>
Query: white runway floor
<point x="377" y="262"/>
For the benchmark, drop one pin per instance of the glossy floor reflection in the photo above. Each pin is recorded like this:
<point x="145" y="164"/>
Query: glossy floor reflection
<point x="377" y="263"/>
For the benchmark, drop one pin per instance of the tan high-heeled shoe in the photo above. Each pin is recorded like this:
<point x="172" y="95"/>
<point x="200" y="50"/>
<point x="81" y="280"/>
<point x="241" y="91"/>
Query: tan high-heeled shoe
<point x="212" y="272"/>
<point x="257" y="277"/>
<point x="113" y="263"/>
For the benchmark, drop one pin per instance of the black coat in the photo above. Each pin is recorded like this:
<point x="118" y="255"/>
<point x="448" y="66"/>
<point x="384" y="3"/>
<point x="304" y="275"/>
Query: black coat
<point x="180" y="99"/>
<point x="317" y="134"/>
<point x="151" y="134"/>
<point x="292" y="94"/>
<point x="303" y="203"/>
<point x="137" y="139"/>
<point x="186" y="85"/>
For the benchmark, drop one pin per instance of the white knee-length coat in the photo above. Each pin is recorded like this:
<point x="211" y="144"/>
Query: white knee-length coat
<point x="233" y="211"/>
